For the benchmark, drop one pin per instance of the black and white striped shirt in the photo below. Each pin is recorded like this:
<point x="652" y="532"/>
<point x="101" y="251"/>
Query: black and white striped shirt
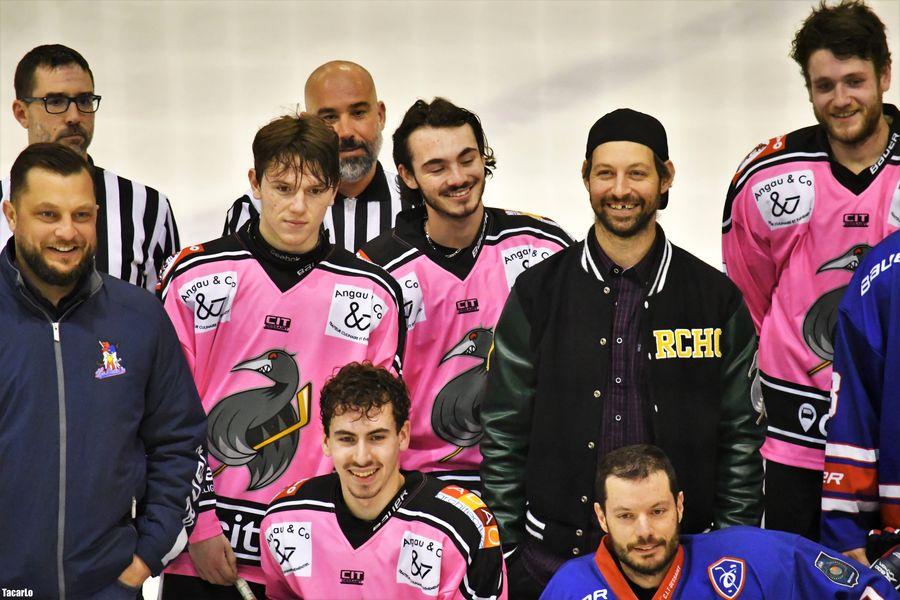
<point x="136" y="229"/>
<point x="351" y="222"/>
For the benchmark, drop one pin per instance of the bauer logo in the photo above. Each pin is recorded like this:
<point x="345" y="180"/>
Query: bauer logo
<point x="413" y="304"/>
<point x="519" y="258"/>
<point x="210" y="298"/>
<point x="419" y="565"/>
<point x="786" y="199"/>
<point x="290" y="544"/>
<point x="354" y="313"/>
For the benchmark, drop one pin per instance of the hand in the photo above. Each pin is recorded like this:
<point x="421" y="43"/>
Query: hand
<point x="858" y="554"/>
<point x="214" y="560"/>
<point x="136" y="573"/>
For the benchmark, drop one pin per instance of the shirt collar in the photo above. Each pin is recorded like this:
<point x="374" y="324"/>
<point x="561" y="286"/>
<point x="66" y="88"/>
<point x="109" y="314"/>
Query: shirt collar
<point x="650" y="270"/>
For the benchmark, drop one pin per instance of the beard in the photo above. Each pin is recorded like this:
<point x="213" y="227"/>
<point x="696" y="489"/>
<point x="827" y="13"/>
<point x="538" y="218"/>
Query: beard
<point x="355" y="168"/>
<point x="76" y="129"/>
<point x="47" y="274"/>
<point x="630" y="228"/>
<point x="446" y="209"/>
<point x="649" y="569"/>
<point x="871" y="118"/>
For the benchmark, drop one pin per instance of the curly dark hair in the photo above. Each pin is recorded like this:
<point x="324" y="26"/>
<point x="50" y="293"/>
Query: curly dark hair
<point x="440" y="113"/>
<point x="363" y="387"/>
<point x="849" y="29"/>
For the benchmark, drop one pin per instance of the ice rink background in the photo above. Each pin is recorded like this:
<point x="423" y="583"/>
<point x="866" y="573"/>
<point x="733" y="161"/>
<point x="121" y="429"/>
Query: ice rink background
<point x="186" y="84"/>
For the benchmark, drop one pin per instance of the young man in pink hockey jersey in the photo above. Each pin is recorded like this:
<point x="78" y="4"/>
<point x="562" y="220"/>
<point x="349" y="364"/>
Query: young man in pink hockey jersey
<point x="455" y="260"/>
<point x="264" y="317"/>
<point x="802" y="210"/>
<point x="370" y="530"/>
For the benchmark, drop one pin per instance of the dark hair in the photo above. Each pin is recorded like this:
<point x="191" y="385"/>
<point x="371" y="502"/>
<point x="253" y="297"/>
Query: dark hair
<point x="56" y="158"/>
<point x="659" y="163"/>
<point x="298" y="142"/>
<point x="50" y="56"/>
<point x="850" y="29"/>
<point x="363" y="387"/>
<point x="440" y="113"/>
<point x="633" y="463"/>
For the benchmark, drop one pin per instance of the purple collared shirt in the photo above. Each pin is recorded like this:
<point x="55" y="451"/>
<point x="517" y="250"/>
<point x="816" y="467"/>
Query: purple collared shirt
<point x="625" y="420"/>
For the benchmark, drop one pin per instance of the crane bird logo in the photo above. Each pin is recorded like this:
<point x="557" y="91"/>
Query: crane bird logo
<point x="260" y="428"/>
<point x="818" y="325"/>
<point x="456" y="413"/>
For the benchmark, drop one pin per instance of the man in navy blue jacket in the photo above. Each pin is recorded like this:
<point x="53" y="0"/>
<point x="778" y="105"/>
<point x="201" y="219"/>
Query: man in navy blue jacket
<point x="101" y="429"/>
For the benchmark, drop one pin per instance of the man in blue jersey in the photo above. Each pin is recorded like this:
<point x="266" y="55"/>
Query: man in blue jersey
<point x="640" y="507"/>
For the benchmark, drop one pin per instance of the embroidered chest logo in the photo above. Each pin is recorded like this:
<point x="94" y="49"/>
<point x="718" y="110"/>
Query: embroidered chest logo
<point x="727" y="577"/>
<point x="456" y="412"/>
<point x="688" y="343"/>
<point x="110" y="363"/>
<point x="259" y="428"/>
<point x="818" y="324"/>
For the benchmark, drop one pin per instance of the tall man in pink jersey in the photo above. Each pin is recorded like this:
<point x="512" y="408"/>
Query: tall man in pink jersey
<point x="370" y="530"/>
<point x="265" y="316"/>
<point x="802" y="210"/>
<point x="455" y="260"/>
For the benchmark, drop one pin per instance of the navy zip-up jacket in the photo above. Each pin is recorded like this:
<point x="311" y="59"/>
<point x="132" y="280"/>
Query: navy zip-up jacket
<point x="102" y="436"/>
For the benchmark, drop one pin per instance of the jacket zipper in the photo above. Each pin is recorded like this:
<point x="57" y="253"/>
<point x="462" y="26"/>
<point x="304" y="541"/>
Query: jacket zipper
<point x="61" y="400"/>
<point x="61" y="521"/>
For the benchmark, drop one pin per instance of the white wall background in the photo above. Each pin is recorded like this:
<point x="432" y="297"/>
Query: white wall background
<point x="186" y="84"/>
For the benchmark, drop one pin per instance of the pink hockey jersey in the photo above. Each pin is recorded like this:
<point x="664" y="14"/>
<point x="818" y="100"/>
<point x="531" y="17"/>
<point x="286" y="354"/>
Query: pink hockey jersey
<point x="260" y="357"/>
<point x="431" y="541"/>
<point x="451" y="307"/>
<point x="796" y="225"/>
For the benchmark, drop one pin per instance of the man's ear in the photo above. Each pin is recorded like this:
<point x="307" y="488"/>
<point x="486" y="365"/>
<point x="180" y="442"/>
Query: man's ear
<point x="601" y="517"/>
<point x="666" y="185"/>
<point x="408" y="178"/>
<point x="10" y="212"/>
<point x="585" y="175"/>
<point x="20" y="112"/>
<point x="382" y="115"/>
<point x="404" y="436"/>
<point x="679" y="505"/>
<point x="254" y="184"/>
<point x="325" y="449"/>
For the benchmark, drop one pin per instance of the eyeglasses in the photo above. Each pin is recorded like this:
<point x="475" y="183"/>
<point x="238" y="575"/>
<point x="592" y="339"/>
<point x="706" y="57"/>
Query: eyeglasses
<point x="57" y="103"/>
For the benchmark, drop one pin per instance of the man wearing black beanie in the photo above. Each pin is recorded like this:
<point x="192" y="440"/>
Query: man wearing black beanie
<point x="622" y="339"/>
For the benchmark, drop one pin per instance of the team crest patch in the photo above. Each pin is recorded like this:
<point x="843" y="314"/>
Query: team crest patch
<point x="837" y="570"/>
<point x="110" y="363"/>
<point x="477" y="512"/>
<point x="727" y="576"/>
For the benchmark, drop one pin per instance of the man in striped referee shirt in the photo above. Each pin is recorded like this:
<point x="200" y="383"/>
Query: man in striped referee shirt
<point x="343" y="94"/>
<point x="55" y="102"/>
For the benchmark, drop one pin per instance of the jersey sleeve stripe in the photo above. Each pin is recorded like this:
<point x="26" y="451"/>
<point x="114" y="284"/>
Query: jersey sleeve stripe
<point x="539" y="233"/>
<point x="373" y="276"/>
<point x="400" y="259"/>
<point x="849" y="506"/>
<point x="842" y="478"/>
<point x="889" y="491"/>
<point x="776" y="159"/>
<point x="865" y="455"/>
<point x="445" y="527"/>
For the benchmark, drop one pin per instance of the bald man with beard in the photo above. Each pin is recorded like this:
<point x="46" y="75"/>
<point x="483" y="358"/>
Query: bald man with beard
<point x="343" y="94"/>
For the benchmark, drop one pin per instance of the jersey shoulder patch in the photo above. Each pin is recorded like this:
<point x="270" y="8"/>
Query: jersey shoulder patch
<point x="472" y="507"/>
<point x="224" y="248"/>
<point x="319" y="489"/>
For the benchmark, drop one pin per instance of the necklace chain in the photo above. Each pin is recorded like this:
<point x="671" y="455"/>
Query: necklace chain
<point x="458" y="250"/>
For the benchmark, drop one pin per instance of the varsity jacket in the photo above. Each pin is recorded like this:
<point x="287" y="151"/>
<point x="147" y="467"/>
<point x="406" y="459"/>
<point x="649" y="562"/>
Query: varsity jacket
<point x="452" y="305"/>
<point x="796" y="225"/>
<point x="547" y="376"/>
<point x="432" y="540"/>
<point x="862" y="458"/>
<point x="260" y="356"/>
<point x="738" y="562"/>
<point x="101" y="437"/>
